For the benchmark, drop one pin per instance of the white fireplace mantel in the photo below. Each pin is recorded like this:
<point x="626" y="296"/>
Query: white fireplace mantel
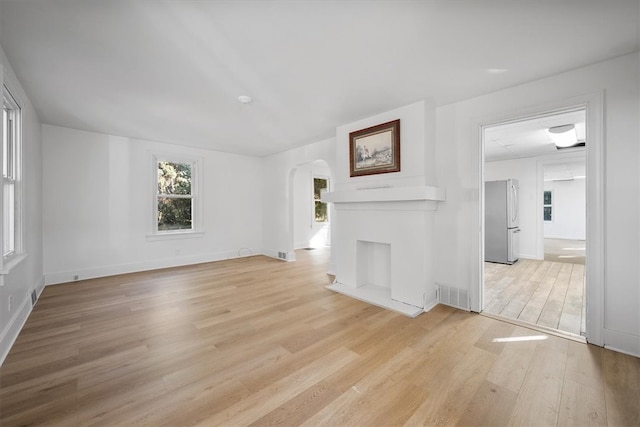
<point x="379" y="259"/>
<point x="390" y="194"/>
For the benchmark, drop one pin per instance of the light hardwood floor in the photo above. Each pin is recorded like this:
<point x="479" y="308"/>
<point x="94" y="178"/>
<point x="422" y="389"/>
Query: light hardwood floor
<point x="257" y="341"/>
<point x="564" y="250"/>
<point x="543" y="293"/>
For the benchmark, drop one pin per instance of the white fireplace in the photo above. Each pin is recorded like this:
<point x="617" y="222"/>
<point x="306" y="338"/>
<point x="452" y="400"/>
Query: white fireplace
<point x="382" y="246"/>
<point x="382" y="225"/>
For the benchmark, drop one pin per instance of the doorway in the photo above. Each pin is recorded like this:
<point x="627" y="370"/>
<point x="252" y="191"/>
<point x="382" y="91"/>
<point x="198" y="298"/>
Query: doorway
<point x="310" y="216"/>
<point x="545" y="284"/>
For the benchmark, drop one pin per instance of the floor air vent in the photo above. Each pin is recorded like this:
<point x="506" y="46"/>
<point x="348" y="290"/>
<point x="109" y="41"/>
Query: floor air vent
<point x="34" y="298"/>
<point x="454" y="297"/>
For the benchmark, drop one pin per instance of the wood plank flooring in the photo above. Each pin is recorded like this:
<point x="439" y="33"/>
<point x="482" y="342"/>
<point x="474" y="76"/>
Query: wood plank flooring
<point x="564" y="250"/>
<point x="257" y="341"/>
<point x="543" y="293"/>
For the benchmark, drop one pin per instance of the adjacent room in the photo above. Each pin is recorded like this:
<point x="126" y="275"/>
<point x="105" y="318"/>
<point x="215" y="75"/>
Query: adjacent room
<point x="535" y="263"/>
<point x="233" y="213"/>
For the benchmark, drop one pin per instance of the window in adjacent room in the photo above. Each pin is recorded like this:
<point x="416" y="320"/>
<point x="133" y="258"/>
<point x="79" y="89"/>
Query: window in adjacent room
<point x="176" y="196"/>
<point x="547" y="205"/>
<point x="11" y="148"/>
<point x="320" y="185"/>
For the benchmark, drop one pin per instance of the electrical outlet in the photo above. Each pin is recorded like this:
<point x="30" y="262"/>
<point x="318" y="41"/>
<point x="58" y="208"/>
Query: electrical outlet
<point x="10" y="301"/>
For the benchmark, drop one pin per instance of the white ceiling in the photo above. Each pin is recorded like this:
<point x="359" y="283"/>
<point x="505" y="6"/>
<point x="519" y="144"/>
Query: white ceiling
<point x="172" y="70"/>
<point x="529" y="138"/>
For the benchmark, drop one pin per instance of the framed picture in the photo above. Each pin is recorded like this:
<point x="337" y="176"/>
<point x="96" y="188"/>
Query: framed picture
<point x="375" y="150"/>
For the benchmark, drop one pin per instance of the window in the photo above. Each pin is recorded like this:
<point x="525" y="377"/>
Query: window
<point x="547" y="205"/>
<point x="320" y="184"/>
<point x="176" y="198"/>
<point x="11" y="145"/>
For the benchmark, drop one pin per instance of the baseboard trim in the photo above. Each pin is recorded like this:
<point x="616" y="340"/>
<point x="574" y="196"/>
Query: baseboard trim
<point x="113" y="270"/>
<point x="12" y="330"/>
<point x="565" y="238"/>
<point x="622" y="342"/>
<point x="528" y="256"/>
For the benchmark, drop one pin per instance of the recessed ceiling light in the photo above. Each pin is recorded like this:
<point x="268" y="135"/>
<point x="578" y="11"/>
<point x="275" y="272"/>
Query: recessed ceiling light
<point x="563" y="136"/>
<point x="244" y="99"/>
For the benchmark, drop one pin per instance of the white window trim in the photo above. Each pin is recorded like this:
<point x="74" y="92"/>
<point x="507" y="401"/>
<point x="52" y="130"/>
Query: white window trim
<point x="196" y="230"/>
<point x="18" y="255"/>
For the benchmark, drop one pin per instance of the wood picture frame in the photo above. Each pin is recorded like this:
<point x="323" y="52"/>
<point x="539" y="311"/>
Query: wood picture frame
<point x="375" y="149"/>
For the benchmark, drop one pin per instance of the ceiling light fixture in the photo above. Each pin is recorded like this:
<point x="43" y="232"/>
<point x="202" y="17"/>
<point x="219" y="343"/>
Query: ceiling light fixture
<point x="563" y="136"/>
<point x="496" y="70"/>
<point x="244" y="99"/>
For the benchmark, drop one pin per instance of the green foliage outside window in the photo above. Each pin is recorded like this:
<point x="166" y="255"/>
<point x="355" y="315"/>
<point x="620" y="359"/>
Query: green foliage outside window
<point x="321" y="214"/>
<point x="174" y="196"/>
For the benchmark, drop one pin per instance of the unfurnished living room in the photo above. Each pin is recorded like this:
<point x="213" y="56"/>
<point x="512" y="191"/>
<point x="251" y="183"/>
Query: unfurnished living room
<point x="306" y="212"/>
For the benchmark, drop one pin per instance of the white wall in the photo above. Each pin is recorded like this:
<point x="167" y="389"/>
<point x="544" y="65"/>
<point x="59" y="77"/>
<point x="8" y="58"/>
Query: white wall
<point x="458" y="163"/>
<point x="98" y="198"/>
<point x="308" y="232"/>
<point x="28" y="275"/>
<point x="568" y="218"/>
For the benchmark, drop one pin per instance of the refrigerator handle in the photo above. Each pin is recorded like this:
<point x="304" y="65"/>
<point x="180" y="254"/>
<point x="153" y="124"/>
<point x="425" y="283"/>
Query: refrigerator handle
<point x="514" y="201"/>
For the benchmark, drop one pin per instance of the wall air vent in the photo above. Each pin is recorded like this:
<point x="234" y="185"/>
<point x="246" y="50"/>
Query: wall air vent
<point x="454" y="297"/>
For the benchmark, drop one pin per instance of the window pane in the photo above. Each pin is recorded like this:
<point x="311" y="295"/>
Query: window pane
<point x="174" y="214"/>
<point x="5" y="140"/>
<point x="547" y="213"/>
<point x="174" y="178"/>
<point x="8" y="220"/>
<point x="318" y="185"/>
<point x="547" y="198"/>
<point x="321" y="212"/>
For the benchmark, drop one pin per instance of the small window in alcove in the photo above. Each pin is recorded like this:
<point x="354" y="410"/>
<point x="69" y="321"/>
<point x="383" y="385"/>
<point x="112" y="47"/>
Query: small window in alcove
<point x="321" y="212"/>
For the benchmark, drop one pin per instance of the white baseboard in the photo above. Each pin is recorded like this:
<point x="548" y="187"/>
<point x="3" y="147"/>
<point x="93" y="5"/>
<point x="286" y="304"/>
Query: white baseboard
<point x="621" y="342"/>
<point x="565" y="237"/>
<point x="112" y="270"/>
<point x="10" y="333"/>
<point x="528" y="256"/>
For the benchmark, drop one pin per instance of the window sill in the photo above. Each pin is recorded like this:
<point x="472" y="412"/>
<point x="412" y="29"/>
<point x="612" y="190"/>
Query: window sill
<point x="9" y="265"/>
<point x="175" y="236"/>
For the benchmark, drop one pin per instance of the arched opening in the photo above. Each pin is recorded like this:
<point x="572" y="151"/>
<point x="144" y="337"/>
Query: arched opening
<point x="309" y="217"/>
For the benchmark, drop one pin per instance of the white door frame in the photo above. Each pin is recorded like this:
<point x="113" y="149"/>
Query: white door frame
<point x="595" y="267"/>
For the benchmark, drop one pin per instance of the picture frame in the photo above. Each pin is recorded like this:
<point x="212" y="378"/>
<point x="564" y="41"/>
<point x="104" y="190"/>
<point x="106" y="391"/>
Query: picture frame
<point x="375" y="150"/>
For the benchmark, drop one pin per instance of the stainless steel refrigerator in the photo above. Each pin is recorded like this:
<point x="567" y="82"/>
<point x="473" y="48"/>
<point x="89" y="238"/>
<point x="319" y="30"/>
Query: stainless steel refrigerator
<point x="501" y="221"/>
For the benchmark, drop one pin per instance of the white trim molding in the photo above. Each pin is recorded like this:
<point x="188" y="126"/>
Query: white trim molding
<point x="593" y="103"/>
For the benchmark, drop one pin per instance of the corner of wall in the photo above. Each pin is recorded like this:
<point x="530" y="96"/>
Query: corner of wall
<point x="11" y="331"/>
